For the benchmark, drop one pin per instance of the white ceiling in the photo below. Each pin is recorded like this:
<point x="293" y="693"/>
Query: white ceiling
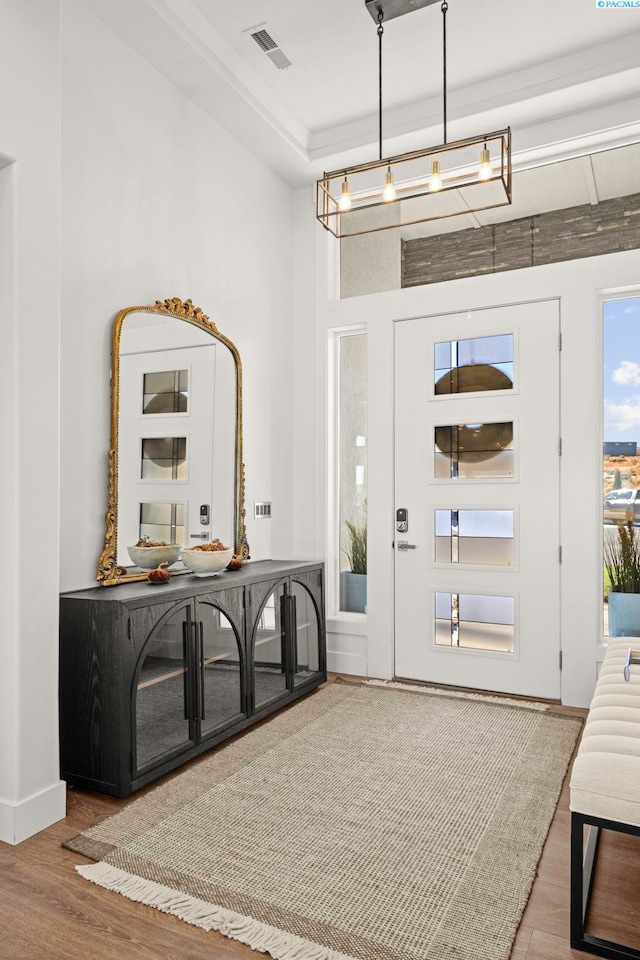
<point x="334" y="49"/>
<point x="564" y="74"/>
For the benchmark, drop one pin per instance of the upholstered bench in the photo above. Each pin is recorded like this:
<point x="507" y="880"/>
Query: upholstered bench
<point x="605" y="783"/>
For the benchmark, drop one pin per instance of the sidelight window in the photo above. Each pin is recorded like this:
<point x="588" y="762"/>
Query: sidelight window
<point x="621" y="465"/>
<point x="351" y="473"/>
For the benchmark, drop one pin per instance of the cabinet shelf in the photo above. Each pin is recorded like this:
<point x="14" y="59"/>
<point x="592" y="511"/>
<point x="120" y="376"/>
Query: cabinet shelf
<point x="163" y="676"/>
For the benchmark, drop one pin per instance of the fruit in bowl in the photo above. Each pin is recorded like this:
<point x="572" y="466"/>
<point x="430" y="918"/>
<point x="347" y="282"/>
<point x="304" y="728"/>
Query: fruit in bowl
<point x="206" y="559"/>
<point x="149" y="554"/>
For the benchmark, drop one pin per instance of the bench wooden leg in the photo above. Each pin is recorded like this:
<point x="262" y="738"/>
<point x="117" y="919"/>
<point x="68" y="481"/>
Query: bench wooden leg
<point x="583" y="861"/>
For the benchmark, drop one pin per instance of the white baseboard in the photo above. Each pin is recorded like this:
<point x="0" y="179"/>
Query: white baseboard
<point x="353" y="663"/>
<point x="19" y="821"/>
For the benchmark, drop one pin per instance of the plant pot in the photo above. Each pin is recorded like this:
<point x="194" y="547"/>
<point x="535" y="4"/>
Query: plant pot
<point x="624" y="614"/>
<point x="353" y="592"/>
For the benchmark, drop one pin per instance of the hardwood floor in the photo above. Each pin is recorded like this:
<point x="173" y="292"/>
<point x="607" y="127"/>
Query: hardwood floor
<point x="48" y="912"/>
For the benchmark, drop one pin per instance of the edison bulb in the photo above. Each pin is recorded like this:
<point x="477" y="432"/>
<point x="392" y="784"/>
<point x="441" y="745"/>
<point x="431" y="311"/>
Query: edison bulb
<point x="389" y="192"/>
<point x="344" y="203"/>
<point x="435" y="183"/>
<point x="485" y="172"/>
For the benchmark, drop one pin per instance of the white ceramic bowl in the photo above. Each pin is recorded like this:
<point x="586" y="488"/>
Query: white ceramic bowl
<point x="148" y="558"/>
<point x="205" y="563"/>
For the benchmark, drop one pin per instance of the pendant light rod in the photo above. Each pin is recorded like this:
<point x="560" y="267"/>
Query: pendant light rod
<point x="380" y="32"/>
<point x="444" y="8"/>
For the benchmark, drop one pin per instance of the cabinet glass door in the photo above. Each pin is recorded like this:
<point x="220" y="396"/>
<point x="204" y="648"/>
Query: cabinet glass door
<point x="219" y="673"/>
<point x="269" y="662"/>
<point x="307" y="639"/>
<point x="162" y="697"/>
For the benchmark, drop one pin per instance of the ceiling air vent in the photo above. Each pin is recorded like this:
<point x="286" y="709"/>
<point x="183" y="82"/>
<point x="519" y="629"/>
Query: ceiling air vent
<point x="269" y="46"/>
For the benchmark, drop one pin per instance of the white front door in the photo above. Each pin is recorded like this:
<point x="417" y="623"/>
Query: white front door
<point x="477" y="575"/>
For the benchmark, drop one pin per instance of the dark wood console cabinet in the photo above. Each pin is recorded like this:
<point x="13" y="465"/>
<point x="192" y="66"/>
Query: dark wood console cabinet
<point x="151" y="676"/>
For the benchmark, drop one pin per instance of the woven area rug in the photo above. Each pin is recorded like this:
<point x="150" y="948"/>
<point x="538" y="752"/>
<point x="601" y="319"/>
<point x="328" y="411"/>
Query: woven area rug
<point x="366" y="822"/>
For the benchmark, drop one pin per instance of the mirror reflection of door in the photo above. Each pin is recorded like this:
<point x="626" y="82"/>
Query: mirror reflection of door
<point x="166" y="445"/>
<point x="176" y="442"/>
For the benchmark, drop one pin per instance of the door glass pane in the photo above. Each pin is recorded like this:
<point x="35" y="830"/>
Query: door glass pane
<point x="475" y="622"/>
<point x="473" y="451"/>
<point x="268" y="650"/>
<point x="161" y="692"/>
<point x="494" y="550"/>
<point x="307" y="660"/>
<point x="165" y="392"/>
<point x="473" y="366"/>
<point x="474" y="536"/>
<point x="162" y="521"/>
<point x="164" y="458"/>
<point x="221" y="676"/>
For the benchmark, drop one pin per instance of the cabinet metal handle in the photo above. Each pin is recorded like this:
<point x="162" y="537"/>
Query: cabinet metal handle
<point x="201" y="645"/>
<point x="185" y="675"/>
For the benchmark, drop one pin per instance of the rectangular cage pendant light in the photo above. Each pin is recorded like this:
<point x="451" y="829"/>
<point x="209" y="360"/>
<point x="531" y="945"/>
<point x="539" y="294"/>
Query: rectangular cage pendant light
<point x="465" y="176"/>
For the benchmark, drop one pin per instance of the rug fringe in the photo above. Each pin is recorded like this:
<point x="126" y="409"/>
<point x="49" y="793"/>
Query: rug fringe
<point x="259" y="936"/>
<point x="458" y="694"/>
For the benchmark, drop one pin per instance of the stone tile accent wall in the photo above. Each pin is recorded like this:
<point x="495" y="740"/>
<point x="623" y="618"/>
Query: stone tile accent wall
<point x="585" y="231"/>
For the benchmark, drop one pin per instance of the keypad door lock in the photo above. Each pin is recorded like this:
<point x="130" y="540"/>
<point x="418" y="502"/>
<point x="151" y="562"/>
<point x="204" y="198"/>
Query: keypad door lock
<point x="402" y="520"/>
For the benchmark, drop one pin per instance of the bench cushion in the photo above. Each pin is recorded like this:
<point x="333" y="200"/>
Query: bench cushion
<point x="605" y="781"/>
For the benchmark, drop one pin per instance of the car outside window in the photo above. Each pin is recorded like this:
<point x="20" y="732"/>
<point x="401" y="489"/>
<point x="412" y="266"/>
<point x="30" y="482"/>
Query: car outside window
<point x="618" y="496"/>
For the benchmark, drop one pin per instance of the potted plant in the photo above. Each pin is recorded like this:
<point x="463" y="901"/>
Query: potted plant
<point x="353" y="582"/>
<point x="622" y="563"/>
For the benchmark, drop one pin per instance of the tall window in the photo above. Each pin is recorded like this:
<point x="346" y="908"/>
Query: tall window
<point x="621" y="466"/>
<point x="351" y="537"/>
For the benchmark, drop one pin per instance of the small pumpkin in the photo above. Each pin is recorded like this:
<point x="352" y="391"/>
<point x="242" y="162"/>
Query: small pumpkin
<point x="159" y="575"/>
<point x="236" y="563"/>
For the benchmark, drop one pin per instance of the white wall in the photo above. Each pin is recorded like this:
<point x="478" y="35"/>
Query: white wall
<point x="31" y="794"/>
<point x="159" y="201"/>
<point x="367" y="647"/>
<point x="149" y="199"/>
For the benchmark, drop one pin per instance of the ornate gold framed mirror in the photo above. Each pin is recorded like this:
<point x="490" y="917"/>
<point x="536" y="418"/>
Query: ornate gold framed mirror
<point x="175" y="468"/>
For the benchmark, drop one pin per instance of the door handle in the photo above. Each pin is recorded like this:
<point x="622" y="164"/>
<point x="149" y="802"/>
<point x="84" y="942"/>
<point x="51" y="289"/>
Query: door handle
<point x="404" y="545"/>
<point x="198" y="536"/>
